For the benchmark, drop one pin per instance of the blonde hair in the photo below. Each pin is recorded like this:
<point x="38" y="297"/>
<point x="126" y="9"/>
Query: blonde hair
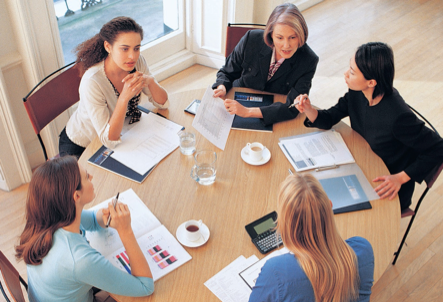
<point x="307" y="227"/>
<point x="286" y="14"/>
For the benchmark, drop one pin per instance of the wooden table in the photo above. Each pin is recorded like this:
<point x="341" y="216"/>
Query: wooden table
<point x="241" y="194"/>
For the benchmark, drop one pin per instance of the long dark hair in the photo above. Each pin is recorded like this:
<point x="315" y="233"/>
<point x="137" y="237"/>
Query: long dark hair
<point x="376" y="61"/>
<point x="49" y="206"/>
<point x="93" y="51"/>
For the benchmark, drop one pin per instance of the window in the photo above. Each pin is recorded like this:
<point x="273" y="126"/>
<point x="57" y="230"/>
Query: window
<point x="79" y="20"/>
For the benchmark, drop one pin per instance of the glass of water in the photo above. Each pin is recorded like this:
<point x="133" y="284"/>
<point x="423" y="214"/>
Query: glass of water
<point x="204" y="170"/>
<point x="187" y="142"/>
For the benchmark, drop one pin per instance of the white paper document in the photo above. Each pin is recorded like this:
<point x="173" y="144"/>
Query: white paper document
<point x="316" y="150"/>
<point x="147" y="143"/>
<point x="227" y="284"/>
<point x="212" y="120"/>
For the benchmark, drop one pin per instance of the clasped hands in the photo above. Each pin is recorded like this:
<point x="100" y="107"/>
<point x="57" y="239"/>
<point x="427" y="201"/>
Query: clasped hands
<point x="135" y="82"/>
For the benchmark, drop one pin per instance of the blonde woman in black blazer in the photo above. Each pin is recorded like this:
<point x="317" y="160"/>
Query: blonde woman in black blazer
<point x="249" y="65"/>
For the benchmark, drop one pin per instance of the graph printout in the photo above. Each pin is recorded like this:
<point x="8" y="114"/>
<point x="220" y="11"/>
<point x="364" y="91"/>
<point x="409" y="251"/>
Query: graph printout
<point x="161" y="250"/>
<point x="212" y="120"/>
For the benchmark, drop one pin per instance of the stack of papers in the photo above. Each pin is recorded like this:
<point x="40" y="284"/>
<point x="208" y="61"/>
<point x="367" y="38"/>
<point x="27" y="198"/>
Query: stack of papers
<point x="316" y="150"/>
<point x="227" y="284"/>
<point x="341" y="178"/>
<point x="234" y="283"/>
<point x="147" y="143"/>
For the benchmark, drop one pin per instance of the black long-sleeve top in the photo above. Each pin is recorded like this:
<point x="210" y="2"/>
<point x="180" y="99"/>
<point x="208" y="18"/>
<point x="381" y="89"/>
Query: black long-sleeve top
<point x="392" y="131"/>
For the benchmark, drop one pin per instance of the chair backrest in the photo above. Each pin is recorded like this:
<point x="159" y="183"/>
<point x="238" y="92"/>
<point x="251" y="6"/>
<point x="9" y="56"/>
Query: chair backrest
<point x="12" y="280"/>
<point x="433" y="175"/>
<point x="52" y="96"/>
<point x="235" y="32"/>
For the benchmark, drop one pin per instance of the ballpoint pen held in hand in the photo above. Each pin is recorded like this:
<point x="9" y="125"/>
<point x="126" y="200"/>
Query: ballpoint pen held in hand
<point x="296" y="103"/>
<point x="115" y="203"/>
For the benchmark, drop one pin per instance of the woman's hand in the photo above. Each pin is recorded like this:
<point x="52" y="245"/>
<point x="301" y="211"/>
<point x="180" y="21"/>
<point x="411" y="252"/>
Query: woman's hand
<point x="390" y="185"/>
<point x="220" y="91"/>
<point x="135" y="82"/>
<point x="120" y="217"/>
<point x="304" y="106"/>
<point x="234" y="107"/>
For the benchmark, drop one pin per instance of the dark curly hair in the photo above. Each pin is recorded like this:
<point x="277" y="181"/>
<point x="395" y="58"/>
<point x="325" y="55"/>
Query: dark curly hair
<point x="93" y="51"/>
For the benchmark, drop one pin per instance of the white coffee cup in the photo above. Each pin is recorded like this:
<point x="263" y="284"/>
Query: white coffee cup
<point x="193" y="229"/>
<point x="255" y="151"/>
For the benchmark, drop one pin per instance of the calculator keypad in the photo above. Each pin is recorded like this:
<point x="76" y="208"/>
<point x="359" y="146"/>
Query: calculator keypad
<point x="267" y="241"/>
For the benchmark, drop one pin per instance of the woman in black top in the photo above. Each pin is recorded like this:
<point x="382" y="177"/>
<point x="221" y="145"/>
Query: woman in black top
<point x="377" y="112"/>
<point x="276" y="60"/>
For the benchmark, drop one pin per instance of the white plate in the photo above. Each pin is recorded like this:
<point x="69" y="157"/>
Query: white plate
<point x="266" y="157"/>
<point x="181" y="236"/>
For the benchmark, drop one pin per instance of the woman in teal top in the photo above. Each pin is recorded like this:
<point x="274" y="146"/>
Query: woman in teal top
<point x="61" y="265"/>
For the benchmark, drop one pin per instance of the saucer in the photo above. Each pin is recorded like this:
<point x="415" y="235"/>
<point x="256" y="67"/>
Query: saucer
<point x="181" y="236"/>
<point x="266" y="157"/>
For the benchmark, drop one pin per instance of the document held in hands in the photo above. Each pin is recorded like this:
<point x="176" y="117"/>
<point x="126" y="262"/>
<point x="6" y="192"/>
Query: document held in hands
<point x="212" y="120"/>
<point x="316" y="150"/>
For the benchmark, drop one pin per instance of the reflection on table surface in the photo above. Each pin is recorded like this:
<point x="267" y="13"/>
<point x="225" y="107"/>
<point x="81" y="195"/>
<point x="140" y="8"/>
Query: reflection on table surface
<point x="241" y="194"/>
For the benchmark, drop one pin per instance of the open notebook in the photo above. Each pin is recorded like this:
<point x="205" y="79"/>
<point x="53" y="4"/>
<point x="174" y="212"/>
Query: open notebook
<point x="162" y="251"/>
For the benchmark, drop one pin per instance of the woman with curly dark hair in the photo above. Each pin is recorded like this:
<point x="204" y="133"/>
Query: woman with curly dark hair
<point x="113" y="77"/>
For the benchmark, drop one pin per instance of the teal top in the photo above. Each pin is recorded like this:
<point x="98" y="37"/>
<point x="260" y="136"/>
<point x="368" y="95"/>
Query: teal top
<point x="72" y="267"/>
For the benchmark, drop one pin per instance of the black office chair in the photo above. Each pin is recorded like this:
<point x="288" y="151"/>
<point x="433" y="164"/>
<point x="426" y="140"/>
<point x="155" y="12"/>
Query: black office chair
<point x="235" y="31"/>
<point x="12" y="279"/>
<point x="429" y="180"/>
<point x="52" y="96"/>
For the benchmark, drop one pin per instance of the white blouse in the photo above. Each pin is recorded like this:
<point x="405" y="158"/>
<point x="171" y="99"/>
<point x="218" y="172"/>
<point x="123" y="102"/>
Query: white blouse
<point x="97" y="103"/>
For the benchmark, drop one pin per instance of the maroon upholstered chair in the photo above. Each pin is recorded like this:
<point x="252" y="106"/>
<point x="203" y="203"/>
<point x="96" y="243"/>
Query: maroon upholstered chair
<point x="52" y="96"/>
<point x="429" y="180"/>
<point x="12" y="279"/>
<point x="235" y="32"/>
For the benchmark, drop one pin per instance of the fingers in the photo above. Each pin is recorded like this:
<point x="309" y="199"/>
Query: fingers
<point x="302" y="102"/>
<point x="232" y="106"/>
<point x="218" y="93"/>
<point x="379" y="178"/>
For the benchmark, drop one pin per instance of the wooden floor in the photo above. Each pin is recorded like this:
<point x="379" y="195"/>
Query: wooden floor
<point x="337" y="27"/>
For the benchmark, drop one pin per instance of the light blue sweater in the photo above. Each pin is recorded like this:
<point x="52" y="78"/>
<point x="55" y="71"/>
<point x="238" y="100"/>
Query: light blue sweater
<point x="72" y="267"/>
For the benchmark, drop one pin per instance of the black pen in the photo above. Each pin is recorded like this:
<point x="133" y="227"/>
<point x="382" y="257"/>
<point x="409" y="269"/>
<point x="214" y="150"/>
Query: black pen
<point x="115" y="203"/>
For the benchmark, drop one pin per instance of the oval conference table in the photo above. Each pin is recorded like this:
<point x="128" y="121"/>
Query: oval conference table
<point x="241" y="194"/>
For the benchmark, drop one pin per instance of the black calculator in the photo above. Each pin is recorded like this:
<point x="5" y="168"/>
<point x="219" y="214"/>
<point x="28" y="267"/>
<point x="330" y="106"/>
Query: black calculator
<point x="263" y="234"/>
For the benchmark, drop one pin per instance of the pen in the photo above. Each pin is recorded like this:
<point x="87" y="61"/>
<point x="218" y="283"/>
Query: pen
<point x="296" y="103"/>
<point x="326" y="168"/>
<point x="290" y="172"/>
<point x="293" y="105"/>
<point x="115" y="203"/>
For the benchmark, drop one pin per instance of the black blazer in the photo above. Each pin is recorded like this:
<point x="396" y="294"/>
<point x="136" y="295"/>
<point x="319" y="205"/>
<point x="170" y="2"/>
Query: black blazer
<point x="248" y="66"/>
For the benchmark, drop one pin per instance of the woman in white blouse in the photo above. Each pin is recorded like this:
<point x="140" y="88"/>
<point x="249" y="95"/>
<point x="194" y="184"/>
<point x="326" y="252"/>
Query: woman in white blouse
<point x="114" y="75"/>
